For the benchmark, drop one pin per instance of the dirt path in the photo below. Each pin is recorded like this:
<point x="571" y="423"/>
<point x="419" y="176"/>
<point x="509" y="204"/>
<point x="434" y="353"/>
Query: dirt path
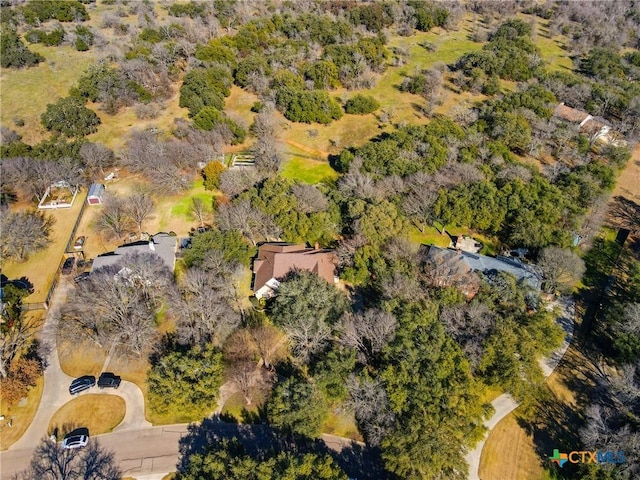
<point x="307" y="149"/>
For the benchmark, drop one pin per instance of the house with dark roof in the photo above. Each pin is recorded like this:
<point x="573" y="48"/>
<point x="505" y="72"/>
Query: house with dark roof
<point x="276" y="259"/>
<point x="460" y="263"/>
<point x="162" y="244"/>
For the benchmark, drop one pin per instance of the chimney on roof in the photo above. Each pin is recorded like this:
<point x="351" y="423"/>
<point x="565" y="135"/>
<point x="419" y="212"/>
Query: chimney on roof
<point x="152" y="245"/>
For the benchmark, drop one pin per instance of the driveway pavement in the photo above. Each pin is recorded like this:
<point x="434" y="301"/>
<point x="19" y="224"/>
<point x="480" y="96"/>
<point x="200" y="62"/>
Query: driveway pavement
<point x="56" y="383"/>
<point x="505" y="403"/>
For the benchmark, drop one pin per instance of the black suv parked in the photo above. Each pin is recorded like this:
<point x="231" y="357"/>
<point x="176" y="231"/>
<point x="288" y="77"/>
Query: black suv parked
<point x="81" y="384"/>
<point x="108" y="380"/>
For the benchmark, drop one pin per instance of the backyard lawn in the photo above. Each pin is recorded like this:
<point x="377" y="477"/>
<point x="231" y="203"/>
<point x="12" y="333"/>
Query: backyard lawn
<point x="19" y="416"/>
<point x="41" y="267"/>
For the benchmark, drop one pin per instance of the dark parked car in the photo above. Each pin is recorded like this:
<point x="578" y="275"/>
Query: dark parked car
<point x="108" y="380"/>
<point x="67" y="267"/>
<point x="81" y="384"/>
<point x="82" y="277"/>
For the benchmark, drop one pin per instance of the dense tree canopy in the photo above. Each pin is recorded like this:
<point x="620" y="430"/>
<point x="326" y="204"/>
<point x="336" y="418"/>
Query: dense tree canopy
<point x="70" y="117"/>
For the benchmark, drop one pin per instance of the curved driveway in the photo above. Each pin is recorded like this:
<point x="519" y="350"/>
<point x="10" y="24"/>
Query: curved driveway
<point x="56" y="384"/>
<point x="505" y="403"/>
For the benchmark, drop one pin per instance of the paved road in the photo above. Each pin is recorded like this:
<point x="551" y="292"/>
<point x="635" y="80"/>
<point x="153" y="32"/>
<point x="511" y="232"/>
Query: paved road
<point x="151" y="453"/>
<point x="505" y="403"/>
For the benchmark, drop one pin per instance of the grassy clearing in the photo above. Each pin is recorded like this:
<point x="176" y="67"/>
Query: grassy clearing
<point x="182" y="207"/>
<point x="115" y="129"/>
<point x="341" y="424"/>
<point x="552" y="49"/>
<point x="20" y="416"/>
<point x="98" y="413"/>
<point x="41" y="267"/>
<point x="308" y="170"/>
<point x="26" y="92"/>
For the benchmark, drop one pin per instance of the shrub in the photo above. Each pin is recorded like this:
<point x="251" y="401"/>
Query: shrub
<point x="361" y="105"/>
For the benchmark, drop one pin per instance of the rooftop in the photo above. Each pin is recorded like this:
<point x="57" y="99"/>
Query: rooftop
<point x="482" y="263"/>
<point x="276" y="260"/>
<point x="162" y="244"/>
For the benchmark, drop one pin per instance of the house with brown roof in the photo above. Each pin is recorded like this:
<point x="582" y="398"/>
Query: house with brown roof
<point x="275" y="260"/>
<point x="588" y="125"/>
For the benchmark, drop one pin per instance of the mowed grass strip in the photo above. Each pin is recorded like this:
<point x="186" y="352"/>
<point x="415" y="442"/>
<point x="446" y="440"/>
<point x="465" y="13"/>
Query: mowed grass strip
<point x="20" y="416"/>
<point x="98" y="413"/>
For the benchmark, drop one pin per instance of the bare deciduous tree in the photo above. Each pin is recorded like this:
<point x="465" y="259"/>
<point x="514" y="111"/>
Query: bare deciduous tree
<point x="561" y="267"/>
<point x="250" y="380"/>
<point x="368" y="332"/>
<point x="51" y="461"/>
<point x="97" y="158"/>
<point x="138" y="206"/>
<point x="370" y="404"/>
<point x="310" y="198"/>
<point x="198" y="209"/>
<point x="205" y="315"/>
<point x="113" y="219"/>
<point x="117" y="305"/>
<point x="469" y="325"/>
<point x="235" y="181"/>
<point x="270" y="342"/>
<point x="24" y="233"/>
<point x="251" y="222"/>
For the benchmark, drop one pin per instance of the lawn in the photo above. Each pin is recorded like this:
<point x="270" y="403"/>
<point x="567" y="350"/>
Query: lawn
<point x="182" y="207"/>
<point x="20" y="416"/>
<point x="510" y="453"/>
<point x="308" y="170"/>
<point x="99" y="413"/>
<point x="41" y="267"/>
<point x="78" y="358"/>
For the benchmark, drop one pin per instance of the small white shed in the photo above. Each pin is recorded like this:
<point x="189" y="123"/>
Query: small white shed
<point x="96" y="194"/>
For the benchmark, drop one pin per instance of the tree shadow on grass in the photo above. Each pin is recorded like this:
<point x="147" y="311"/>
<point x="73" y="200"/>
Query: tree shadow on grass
<point x="556" y="421"/>
<point x="624" y="213"/>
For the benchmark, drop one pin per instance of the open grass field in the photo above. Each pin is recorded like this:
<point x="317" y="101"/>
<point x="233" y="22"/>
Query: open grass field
<point x="20" y="416"/>
<point x="26" y="92"/>
<point x="41" y="267"/>
<point x="308" y="170"/>
<point x="98" y="413"/>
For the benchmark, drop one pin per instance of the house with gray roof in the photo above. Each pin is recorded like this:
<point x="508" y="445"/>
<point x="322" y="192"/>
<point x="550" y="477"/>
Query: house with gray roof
<point x="162" y="244"/>
<point x="525" y="273"/>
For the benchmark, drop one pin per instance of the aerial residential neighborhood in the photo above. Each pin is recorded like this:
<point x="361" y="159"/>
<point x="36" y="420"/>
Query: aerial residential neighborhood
<point x="319" y="239"/>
